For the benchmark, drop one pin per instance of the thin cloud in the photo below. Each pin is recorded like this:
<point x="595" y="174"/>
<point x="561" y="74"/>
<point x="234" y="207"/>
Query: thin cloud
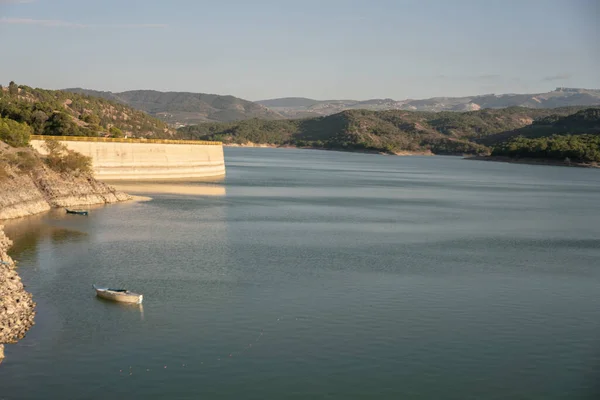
<point x="16" y="1"/>
<point x="48" y="23"/>
<point x="483" y="77"/>
<point x="133" y="26"/>
<point x="557" y="77"/>
<point x="55" y="23"/>
<point x="489" y="77"/>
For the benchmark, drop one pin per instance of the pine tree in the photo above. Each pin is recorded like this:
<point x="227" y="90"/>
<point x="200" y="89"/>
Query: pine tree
<point x="13" y="89"/>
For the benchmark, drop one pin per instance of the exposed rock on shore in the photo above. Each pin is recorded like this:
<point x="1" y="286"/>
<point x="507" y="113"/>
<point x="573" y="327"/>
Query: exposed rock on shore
<point x="17" y="308"/>
<point x="29" y="194"/>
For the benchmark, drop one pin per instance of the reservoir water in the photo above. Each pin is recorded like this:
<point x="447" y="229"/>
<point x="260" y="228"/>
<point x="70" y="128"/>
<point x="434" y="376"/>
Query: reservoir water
<point x="314" y="274"/>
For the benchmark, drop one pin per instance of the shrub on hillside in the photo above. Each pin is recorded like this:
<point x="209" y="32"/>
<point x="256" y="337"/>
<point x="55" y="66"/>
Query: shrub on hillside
<point x="62" y="159"/>
<point x="14" y="133"/>
<point x="116" y="132"/>
<point x="4" y="174"/>
<point x="24" y="161"/>
<point x="60" y="124"/>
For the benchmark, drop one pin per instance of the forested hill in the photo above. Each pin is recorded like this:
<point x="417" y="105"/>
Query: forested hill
<point x="575" y="138"/>
<point x="586" y="121"/>
<point x="55" y="112"/>
<point x="184" y="108"/>
<point x="393" y="131"/>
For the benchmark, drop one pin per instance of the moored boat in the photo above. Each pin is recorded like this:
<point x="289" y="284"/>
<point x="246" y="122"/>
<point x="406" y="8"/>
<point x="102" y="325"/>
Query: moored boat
<point x="120" y="295"/>
<point x="78" y="212"/>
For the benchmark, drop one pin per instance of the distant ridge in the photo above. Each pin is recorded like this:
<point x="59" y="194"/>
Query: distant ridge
<point x="185" y="108"/>
<point x="289" y="102"/>
<point x="295" y="107"/>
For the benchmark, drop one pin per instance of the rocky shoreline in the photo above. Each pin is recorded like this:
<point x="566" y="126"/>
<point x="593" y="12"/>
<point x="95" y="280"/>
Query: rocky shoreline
<point x="23" y="195"/>
<point x="17" y="309"/>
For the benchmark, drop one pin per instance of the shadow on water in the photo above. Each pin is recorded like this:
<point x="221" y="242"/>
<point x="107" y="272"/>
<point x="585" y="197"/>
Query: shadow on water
<point x="55" y="227"/>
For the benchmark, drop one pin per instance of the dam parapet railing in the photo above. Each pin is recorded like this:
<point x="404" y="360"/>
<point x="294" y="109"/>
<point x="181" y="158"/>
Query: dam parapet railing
<point x="123" y="140"/>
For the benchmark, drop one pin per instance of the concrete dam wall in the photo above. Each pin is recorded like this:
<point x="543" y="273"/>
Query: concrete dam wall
<point x="146" y="159"/>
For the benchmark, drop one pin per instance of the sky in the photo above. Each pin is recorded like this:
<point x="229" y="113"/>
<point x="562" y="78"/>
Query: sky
<point x="321" y="49"/>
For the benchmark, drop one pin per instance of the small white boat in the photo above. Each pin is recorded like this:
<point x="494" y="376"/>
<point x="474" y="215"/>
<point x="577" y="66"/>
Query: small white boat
<point x="120" y="295"/>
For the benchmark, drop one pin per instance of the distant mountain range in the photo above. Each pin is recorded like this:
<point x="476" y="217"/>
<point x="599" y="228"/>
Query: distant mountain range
<point x="299" y="107"/>
<point x="184" y="108"/>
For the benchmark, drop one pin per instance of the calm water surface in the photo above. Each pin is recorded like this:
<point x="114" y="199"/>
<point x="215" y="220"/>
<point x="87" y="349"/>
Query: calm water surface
<point x="312" y="274"/>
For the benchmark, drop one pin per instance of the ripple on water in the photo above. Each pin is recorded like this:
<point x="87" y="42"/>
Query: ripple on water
<point x="322" y="274"/>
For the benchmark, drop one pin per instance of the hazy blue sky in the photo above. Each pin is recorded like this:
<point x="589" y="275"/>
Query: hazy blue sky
<point x="322" y="49"/>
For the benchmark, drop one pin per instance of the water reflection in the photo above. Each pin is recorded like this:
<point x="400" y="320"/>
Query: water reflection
<point x="184" y="188"/>
<point x="130" y="307"/>
<point x="29" y="233"/>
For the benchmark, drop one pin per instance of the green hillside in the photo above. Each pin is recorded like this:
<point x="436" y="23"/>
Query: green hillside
<point x="183" y="108"/>
<point x="393" y="131"/>
<point x="583" y="148"/>
<point x="576" y="123"/>
<point x="575" y="137"/>
<point x="54" y="112"/>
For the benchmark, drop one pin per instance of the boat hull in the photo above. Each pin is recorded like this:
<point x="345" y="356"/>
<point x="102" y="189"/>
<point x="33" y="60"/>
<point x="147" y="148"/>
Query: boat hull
<point x="126" y="297"/>
<point x="77" y="212"/>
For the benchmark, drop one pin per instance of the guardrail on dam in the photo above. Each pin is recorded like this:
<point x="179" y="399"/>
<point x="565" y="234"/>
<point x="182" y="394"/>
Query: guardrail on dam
<point x="145" y="159"/>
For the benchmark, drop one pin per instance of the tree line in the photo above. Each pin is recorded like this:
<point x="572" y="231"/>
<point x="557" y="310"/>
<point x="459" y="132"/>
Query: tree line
<point x="53" y="112"/>
<point x="578" y="148"/>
